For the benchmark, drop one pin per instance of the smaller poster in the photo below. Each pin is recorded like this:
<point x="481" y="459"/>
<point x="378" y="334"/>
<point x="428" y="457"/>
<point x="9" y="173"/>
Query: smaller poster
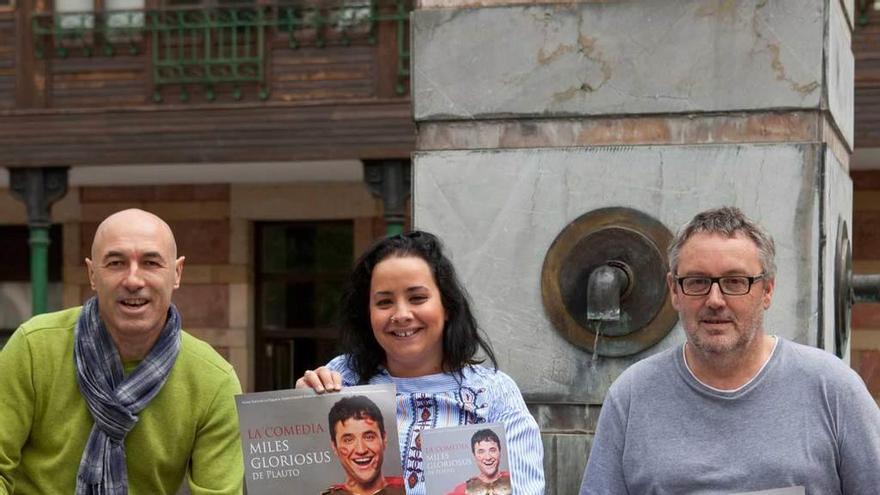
<point x="339" y="443"/>
<point x="466" y="460"/>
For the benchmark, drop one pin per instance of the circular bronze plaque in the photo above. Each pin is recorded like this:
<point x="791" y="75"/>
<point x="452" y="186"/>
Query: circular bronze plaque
<point x="843" y="291"/>
<point x="619" y="236"/>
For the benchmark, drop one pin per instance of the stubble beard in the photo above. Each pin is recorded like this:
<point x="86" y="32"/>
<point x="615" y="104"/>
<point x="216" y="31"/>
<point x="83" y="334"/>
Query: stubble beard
<point x="728" y="348"/>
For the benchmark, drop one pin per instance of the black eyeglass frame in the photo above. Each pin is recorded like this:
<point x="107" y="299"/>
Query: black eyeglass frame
<point x="717" y="280"/>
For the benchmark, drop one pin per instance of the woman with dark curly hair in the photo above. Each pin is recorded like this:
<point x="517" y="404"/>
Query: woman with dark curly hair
<point x="407" y="321"/>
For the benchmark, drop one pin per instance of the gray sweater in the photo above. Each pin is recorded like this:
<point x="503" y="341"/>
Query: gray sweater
<point x="806" y="419"/>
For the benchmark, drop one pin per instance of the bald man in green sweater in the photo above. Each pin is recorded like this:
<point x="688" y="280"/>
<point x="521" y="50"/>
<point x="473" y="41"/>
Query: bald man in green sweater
<point x="114" y="397"/>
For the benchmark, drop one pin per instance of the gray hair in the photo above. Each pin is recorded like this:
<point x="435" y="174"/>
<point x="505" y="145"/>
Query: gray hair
<point x="727" y="221"/>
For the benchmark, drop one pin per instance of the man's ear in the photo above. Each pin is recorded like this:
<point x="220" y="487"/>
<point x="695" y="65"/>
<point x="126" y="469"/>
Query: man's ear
<point x="90" y="268"/>
<point x="769" y="286"/>
<point x="673" y="290"/>
<point x="178" y="271"/>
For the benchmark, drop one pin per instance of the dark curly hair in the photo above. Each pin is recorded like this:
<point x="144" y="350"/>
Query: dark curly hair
<point x="462" y="338"/>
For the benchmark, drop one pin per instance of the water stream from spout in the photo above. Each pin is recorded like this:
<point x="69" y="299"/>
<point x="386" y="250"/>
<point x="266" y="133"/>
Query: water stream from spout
<point x="596" y="345"/>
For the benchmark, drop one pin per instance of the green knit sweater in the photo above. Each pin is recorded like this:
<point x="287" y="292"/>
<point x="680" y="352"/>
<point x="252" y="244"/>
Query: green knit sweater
<point x="44" y="422"/>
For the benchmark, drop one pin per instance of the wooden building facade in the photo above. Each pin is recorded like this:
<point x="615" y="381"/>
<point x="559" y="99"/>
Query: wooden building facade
<point x="264" y="132"/>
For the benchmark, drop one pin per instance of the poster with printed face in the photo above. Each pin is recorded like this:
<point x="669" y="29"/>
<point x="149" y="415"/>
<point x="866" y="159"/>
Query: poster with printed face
<point x="339" y="443"/>
<point x="466" y="460"/>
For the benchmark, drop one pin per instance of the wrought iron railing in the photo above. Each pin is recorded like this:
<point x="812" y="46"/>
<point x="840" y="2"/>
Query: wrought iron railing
<point x="221" y="45"/>
<point x="209" y="47"/>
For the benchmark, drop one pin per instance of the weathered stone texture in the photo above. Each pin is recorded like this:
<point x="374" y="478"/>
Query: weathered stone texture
<point x="840" y="73"/>
<point x="676" y="56"/>
<point x="499" y="211"/>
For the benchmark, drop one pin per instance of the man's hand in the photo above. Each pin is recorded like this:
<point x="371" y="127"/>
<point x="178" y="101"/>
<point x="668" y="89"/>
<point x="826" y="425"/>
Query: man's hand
<point x="321" y="380"/>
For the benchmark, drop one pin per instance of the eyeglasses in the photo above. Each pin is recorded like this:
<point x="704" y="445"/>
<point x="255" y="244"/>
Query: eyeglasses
<point x="736" y="285"/>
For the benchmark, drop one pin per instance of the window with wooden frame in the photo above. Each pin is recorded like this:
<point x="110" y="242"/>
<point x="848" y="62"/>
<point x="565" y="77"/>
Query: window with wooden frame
<point x="301" y="269"/>
<point x="79" y="15"/>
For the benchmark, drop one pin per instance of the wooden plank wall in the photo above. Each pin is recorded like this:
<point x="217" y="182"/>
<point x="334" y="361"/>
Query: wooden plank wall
<point x="221" y="132"/>
<point x="333" y="102"/>
<point x="98" y="81"/>
<point x="294" y="75"/>
<point x="332" y="73"/>
<point x="7" y="59"/>
<point x="308" y="74"/>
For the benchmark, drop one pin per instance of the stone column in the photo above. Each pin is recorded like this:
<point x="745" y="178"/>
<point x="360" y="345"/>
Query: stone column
<point x="531" y="114"/>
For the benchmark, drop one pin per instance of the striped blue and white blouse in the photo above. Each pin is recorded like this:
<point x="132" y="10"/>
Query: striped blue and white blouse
<point x="436" y="401"/>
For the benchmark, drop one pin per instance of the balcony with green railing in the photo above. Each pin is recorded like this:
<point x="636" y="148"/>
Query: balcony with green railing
<point x="224" y="45"/>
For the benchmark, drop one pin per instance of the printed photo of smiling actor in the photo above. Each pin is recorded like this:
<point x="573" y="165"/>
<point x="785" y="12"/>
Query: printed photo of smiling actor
<point x="486" y="448"/>
<point x="358" y="439"/>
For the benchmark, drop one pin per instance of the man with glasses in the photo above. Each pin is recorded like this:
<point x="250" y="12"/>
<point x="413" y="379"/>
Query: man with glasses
<point x="734" y="409"/>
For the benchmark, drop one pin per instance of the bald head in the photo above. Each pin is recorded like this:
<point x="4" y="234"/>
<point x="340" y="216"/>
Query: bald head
<point x="134" y="220"/>
<point x="134" y="268"/>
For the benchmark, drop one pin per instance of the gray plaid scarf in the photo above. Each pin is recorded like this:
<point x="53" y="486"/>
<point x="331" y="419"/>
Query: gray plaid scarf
<point x="113" y="399"/>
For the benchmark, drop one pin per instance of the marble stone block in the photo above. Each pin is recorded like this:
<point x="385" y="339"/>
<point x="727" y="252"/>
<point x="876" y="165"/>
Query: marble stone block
<point x="612" y="58"/>
<point x="499" y="211"/>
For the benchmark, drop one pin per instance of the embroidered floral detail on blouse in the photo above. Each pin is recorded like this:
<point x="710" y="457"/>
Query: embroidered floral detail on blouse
<point x="470" y="401"/>
<point x="426" y="407"/>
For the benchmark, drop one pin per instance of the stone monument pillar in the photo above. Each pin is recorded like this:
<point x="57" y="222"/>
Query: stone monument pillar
<point x="540" y="122"/>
